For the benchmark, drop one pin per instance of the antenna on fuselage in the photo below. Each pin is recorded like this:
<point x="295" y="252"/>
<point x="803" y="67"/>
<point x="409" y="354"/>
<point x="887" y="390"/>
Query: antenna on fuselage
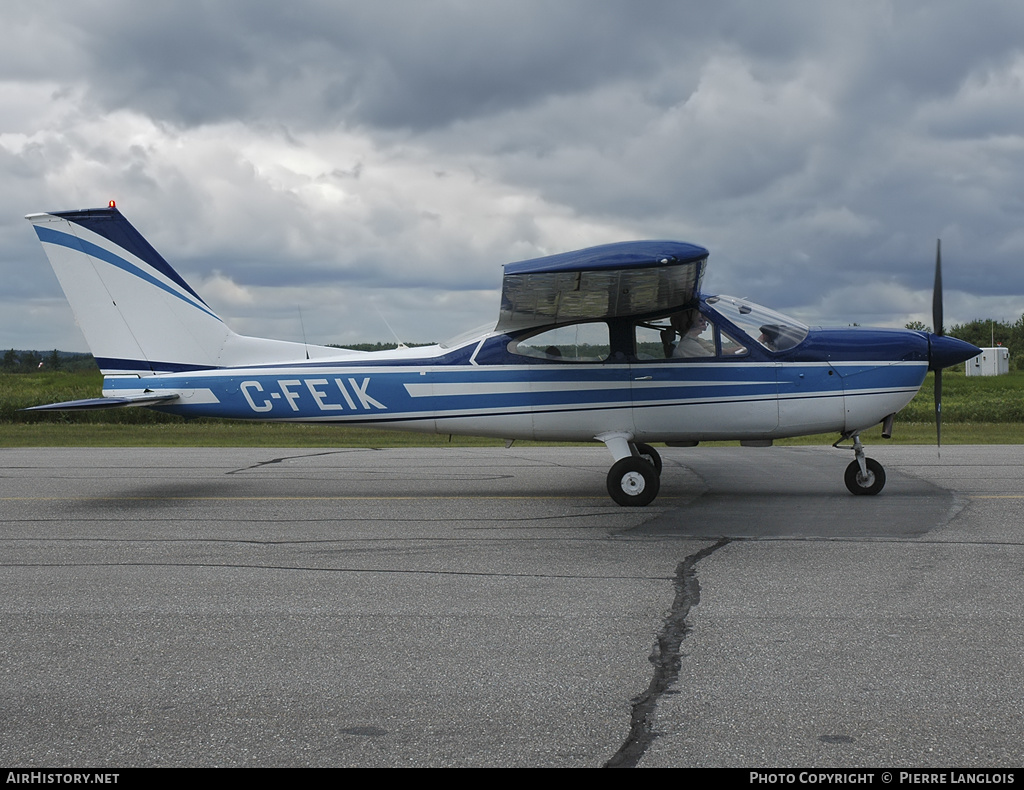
<point x="394" y="334"/>
<point x="302" y="326"/>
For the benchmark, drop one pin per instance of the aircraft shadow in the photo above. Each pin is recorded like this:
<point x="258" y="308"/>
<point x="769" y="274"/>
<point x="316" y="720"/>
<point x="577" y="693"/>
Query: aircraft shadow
<point x="794" y="495"/>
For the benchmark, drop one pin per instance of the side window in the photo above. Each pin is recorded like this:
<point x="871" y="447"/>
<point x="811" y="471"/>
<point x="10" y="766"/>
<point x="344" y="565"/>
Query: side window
<point x="685" y="335"/>
<point x="572" y="343"/>
<point x="730" y="347"/>
<point x="654" y="340"/>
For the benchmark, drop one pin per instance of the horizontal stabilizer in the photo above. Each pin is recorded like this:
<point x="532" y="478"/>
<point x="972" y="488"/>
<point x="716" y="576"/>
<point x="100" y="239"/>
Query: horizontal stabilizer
<point x="88" y="404"/>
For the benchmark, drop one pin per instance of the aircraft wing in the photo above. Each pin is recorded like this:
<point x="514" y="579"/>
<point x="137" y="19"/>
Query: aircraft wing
<point x="89" y="404"/>
<point x="612" y="280"/>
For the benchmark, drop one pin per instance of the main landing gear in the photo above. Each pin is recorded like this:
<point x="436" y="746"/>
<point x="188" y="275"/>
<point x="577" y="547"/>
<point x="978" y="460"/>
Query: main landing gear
<point x="864" y="476"/>
<point x="635" y="478"/>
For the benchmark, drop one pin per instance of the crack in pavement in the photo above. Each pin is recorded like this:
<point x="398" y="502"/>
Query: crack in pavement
<point x="665" y="659"/>
<point x="284" y="458"/>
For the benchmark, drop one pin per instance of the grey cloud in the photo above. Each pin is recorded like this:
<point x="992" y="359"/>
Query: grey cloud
<point x="814" y="148"/>
<point x="412" y="64"/>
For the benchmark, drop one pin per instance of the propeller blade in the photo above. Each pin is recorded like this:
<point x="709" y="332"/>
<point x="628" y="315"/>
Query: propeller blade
<point x="938" y="330"/>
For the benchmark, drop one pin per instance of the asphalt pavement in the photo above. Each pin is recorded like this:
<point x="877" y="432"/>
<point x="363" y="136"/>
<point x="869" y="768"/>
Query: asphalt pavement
<point x="493" y="607"/>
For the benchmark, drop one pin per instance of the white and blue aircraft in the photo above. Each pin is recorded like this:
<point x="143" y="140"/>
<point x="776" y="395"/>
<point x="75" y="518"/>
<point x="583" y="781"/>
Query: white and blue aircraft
<point x="614" y="344"/>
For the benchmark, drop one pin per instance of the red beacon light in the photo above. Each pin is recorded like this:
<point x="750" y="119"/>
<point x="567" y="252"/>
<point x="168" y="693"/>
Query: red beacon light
<point x="111" y="204"/>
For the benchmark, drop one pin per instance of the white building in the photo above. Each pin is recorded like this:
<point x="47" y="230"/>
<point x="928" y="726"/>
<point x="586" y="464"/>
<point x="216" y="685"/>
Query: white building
<point x="990" y="362"/>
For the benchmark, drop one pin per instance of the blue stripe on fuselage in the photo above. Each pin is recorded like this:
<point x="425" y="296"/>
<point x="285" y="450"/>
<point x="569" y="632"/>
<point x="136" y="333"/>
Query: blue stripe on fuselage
<point x="388" y="393"/>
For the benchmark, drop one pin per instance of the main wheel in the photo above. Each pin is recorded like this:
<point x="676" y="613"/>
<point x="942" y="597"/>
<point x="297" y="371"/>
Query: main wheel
<point x="633" y="482"/>
<point x="869" y="484"/>
<point x="650" y="455"/>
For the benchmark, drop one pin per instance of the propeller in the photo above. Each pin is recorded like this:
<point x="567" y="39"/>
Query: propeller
<point x="943" y="352"/>
<point x="938" y="330"/>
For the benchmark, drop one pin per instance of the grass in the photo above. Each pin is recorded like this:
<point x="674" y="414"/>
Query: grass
<point x="976" y="410"/>
<point x="217" y="433"/>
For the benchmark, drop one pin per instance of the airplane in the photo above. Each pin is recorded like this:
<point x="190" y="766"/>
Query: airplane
<point x="615" y="344"/>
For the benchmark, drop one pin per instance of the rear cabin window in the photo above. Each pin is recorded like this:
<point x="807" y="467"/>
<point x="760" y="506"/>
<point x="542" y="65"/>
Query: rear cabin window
<point x="574" y="343"/>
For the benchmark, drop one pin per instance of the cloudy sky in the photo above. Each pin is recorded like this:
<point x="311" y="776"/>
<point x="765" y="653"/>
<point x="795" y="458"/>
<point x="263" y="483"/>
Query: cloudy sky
<point x="327" y="168"/>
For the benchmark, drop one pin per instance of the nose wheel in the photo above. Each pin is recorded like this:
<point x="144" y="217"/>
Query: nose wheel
<point x="866" y="483"/>
<point x="864" y="476"/>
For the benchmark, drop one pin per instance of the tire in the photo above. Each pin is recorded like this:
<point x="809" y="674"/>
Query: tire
<point x="869" y="486"/>
<point x="633" y="482"/>
<point x="650" y="455"/>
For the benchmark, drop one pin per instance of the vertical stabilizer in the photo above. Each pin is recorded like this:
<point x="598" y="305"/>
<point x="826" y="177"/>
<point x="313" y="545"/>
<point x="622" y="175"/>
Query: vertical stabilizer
<point x="137" y="314"/>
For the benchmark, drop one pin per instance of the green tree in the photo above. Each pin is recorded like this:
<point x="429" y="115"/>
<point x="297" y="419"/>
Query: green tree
<point x="29" y="361"/>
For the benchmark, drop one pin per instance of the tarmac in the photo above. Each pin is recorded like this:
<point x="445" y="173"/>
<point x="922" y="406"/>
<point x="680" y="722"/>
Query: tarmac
<point x="494" y="607"/>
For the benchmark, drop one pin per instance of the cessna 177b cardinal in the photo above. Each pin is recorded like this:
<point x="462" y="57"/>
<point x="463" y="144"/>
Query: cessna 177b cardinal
<point x="614" y="343"/>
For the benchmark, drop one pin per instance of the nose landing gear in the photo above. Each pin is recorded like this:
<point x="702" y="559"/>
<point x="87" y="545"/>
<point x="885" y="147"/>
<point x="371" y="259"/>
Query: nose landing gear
<point x="864" y="476"/>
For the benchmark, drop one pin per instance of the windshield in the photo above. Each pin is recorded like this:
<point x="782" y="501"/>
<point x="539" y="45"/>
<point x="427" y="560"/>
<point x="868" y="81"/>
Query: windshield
<point x="774" y="331"/>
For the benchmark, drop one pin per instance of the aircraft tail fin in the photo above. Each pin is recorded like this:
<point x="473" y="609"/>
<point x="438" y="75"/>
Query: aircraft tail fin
<point x="137" y="314"/>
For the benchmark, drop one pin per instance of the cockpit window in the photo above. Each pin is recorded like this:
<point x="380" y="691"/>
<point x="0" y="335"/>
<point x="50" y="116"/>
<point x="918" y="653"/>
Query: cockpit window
<point x="774" y="331"/>
<point x="587" y="342"/>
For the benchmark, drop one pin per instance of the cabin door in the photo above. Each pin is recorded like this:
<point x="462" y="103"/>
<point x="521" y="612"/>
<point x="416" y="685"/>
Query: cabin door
<point x="694" y="382"/>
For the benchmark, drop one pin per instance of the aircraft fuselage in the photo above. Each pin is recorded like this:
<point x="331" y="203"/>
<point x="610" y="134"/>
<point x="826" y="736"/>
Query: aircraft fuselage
<point x="835" y="380"/>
